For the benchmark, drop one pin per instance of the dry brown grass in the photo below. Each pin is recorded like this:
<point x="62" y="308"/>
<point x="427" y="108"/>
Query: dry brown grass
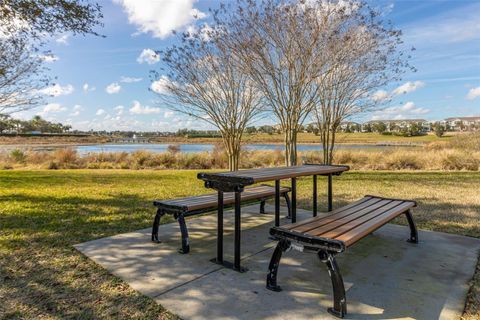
<point x="461" y="152"/>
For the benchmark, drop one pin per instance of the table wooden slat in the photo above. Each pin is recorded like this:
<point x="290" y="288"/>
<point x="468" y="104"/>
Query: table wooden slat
<point x="246" y="177"/>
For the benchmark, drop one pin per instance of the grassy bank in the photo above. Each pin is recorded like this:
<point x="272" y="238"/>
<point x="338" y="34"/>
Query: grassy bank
<point x="344" y="138"/>
<point x="434" y="156"/>
<point x="43" y="213"/>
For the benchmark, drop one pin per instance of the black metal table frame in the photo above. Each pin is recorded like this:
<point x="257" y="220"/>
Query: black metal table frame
<point x="238" y="189"/>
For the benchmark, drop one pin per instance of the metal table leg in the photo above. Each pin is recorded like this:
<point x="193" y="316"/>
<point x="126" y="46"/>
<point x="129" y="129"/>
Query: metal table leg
<point x="220" y="228"/>
<point x="294" y="200"/>
<point x="277" y="203"/>
<point x="238" y="231"/>
<point x="330" y="193"/>
<point x="314" y="195"/>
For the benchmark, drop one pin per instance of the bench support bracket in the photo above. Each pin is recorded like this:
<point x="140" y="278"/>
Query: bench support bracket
<point x="413" y="228"/>
<point x="156" y="224"/>
<point x="184" y="231"/>
<point x="339" y="300"/>
<point x="281" y="247"/>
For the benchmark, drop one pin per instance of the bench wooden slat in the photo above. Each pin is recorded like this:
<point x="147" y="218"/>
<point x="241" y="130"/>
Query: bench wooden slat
<point x="319" y="229"/>
<point x="349" y="238"/>
<point x="352" y="222"/>
<point x="315" y="222"/>
<point x="351" y="225"/>
<point x="210" y="200"/>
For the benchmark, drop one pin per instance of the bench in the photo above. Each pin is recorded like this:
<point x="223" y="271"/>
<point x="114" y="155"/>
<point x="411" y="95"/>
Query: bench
<point x="332" y="234"/>
<point x="189" y="206"/>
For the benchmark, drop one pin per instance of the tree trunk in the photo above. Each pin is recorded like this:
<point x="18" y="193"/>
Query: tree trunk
<point x="290" y="147"/>
<point x="232" y="147"/>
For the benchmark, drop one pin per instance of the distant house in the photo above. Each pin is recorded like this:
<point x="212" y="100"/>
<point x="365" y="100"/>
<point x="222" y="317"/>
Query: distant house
<point x="462" y="123"/>
<point x="350" y="126"/>
<point x="396" y="125"/>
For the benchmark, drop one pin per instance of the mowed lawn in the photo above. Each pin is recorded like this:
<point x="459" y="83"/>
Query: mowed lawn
<point x="44" y="213"/>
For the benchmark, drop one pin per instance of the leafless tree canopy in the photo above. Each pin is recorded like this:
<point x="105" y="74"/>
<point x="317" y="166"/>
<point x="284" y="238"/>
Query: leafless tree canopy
<point x="203" y="81"/>
<point x="24" y="26"/>
<point x="304" y="56"/>
<point x="20" y="76"/>
<point x="280" y="45"/>
<point x="364" y="55"/>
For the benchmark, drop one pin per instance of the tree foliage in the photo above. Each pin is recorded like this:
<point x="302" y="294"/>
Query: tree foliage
<point x="11" y="125"/>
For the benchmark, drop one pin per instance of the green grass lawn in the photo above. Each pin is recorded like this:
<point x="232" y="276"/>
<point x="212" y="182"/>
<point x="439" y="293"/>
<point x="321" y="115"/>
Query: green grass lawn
<point x="345" y="138"/>
<point x="44" y="213"/>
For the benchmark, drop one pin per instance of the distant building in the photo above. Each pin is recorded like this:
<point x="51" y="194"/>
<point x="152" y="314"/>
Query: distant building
<point x="397" y="125"/>
<point x="462" y="123"/>
<point x="350" y="126"/>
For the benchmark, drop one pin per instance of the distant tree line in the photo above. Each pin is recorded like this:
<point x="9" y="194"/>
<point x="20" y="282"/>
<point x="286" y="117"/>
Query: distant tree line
<point x="36" y="124"/>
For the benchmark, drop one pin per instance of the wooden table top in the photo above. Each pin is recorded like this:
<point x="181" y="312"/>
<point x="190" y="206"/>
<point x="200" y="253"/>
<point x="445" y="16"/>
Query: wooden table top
<point x="252" y="176"/>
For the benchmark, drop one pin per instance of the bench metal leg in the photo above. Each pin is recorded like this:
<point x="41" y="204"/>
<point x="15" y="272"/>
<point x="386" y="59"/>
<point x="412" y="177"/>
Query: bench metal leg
<point x="282" y="246"/>
<point x="339" y="301"/>
<point x="156" y="224"/>
<point x="183" y="230"/>
<point x="289" y="205"/>
<point x="262" y="206"/>
<point x="413" y="228"/>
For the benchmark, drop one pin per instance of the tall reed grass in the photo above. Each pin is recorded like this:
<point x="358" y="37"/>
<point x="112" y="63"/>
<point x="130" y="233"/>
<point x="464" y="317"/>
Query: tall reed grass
<point x="458" y="154"/>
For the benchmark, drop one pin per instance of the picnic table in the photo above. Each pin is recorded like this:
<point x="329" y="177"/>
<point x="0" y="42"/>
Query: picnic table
<point x="236" y="181"/>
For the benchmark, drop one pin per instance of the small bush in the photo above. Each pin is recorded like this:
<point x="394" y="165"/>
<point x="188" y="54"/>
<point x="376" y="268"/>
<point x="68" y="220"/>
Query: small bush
<point x="18" y="156"/>
<point x="173" y="149"/>
<point x="53" y="165"/>
<point x="65" y="157"/>
<point x="402" y="160"/>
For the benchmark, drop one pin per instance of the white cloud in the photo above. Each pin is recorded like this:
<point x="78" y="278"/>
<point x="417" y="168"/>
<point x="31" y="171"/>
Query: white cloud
<point x="407" y="110"/>
<point x="49" y="58"/>
<point x="130" y="79"/>
<point x="408" y="87"/>
<point x="119" y="110"/>
<point x="453" y="26"/>
<point x="148" y="56"/>
<point x="57" y="90"/>
<point x="63" y="39"/>
<point x="52" y="108"/>
<point x="76" y="110"/>
<point x="380" y="96"/>
<point x="113" y="88"/>
<point x="160" y="17"/>
<point x="87" y="88"/>
<point x="168" y="114"/>
<point x="473" y="93"/>
<point x="160" y="86"/>
<point x="137" y="108"/>
<point x="100" y="112"/>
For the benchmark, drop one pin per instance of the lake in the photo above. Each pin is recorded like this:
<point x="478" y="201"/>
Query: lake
<point x="193" y="148"/>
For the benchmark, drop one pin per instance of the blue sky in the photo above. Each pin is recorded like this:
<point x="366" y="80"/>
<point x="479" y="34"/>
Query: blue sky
<point x="102" y="83"/>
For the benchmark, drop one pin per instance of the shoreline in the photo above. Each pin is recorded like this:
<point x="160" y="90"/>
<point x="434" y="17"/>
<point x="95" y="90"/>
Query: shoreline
<point x="69" y="145"/>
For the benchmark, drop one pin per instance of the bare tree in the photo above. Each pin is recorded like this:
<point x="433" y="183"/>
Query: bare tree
<point x="20" y="76"/>
<point x="25" y="26"/>
<point x="204" y="82"/>
<point x="364" y="56"/>
<point x="280" y="45"/>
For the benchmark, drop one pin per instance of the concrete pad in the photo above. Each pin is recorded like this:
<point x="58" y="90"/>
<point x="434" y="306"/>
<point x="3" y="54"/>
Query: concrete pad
<point x="385" y="277"/>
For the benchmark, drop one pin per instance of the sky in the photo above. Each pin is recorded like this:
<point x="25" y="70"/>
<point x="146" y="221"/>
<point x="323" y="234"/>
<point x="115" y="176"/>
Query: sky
<point x="102" y="83"/>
